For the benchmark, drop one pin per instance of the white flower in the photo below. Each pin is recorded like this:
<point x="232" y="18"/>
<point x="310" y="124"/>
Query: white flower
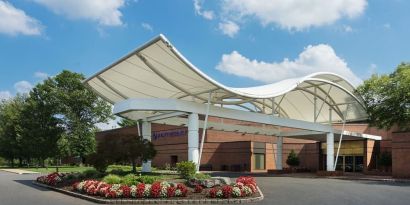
<point x="147" y="190"/>
<point x="164" y="192"/>
<point x="236" y="192"/>
<point x="133" y="191"/>
<point x="178" y="192"/>
<point x="219" y="193"/>
<point x="247" y="190"/>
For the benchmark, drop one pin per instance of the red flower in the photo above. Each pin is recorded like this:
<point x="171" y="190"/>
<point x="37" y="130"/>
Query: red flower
<point x="171" y="191"/>
<point x="156" y="190"/>
<point x="227" y="191"/>
<point x="198" y="188"/>
<point x="111" y="194"/>
<point x="212" y="192"/>
<point x="246" y="180"/>
<point x="126" y="191"/>
<point x="183" y="189"/>
<point x="140" y="190"/>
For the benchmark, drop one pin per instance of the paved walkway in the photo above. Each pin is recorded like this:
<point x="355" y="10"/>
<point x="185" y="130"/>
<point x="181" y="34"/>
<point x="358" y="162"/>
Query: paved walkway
<point x="18" y="171"/>
<point x="18" y="189"/>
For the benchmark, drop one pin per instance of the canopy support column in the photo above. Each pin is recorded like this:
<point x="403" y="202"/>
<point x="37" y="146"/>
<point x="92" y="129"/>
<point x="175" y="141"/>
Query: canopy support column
<point x="193" y="137"/>
<point x="146" y="134"/>
<point x="330" y="144"/>
<point x="204" y="130"/>
<point x="279" y="153"/>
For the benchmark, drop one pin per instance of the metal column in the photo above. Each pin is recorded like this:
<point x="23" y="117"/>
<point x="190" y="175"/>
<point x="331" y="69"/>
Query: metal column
<point x="193" y="137"/>
<point x="146" y="134"/>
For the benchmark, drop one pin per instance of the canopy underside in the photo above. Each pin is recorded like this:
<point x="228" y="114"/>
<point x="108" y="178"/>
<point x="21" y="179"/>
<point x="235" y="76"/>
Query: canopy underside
<point x="158" y="70"/>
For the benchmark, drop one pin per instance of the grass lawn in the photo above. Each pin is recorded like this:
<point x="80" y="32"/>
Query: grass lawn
<point x="64" y="169"/>
<point x="67" y="169"/>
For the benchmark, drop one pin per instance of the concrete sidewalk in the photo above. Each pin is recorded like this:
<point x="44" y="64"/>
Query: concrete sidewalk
<point x="19" y="171"/>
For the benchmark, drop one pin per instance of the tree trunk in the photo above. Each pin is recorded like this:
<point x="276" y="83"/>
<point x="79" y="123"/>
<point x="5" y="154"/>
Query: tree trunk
<point x="20" y="162"/>
<point x="134" y="166"/>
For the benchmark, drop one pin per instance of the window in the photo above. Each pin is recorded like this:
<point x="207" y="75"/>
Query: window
<point x="259" y="161"/>
<point x="259" y="150"/>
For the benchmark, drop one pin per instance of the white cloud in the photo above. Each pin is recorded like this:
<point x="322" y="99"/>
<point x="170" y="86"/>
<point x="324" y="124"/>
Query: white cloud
<point x="347" y="28"/>
<point x="207" y="14"/>
<point x="229" y="28"/>
<point x="105" y="12"/>
<point x="14" y="21"/>
<point x="316" y="58"/>
<point x="23" y="86"/>
<point x="111" y="124"/>
<point x="292" y="14"/>
<point x="386" y="26"/>
<point x="5" y="95"/>
<point x="147" y="26"/>
<point x="41" y="75"/>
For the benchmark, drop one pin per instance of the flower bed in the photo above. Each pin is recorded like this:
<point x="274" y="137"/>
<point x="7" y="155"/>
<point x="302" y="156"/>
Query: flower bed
<point x="141" y="190"/>
<point x="244" y="187"/>
<point x="52" y="179"/>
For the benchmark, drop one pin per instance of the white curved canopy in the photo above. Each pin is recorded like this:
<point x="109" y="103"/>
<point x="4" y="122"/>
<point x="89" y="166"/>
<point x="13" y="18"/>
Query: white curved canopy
<point x="158" y="70"/>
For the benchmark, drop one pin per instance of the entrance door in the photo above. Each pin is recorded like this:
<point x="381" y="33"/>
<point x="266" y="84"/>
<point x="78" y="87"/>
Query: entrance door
<point x="358" y="161"/>
<point x="349" y="163"/>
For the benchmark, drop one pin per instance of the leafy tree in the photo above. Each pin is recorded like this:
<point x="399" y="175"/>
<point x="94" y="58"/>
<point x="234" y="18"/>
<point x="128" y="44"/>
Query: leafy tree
<point x="124" y="122"/>
<point x="292" y="159"/>
<point x="387" y="98"/>
<point x="40" y="126"/>
<point x="10" y="129"/>
<point x="122" y="148"/>
<point x="79" y="110"/>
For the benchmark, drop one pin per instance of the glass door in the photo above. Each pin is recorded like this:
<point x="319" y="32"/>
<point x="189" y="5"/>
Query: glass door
<point x="358" y="163"/>
<point x="349" y="163"/>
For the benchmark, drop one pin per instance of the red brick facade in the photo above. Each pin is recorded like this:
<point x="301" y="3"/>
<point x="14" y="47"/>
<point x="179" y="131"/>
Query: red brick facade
<point x="234" y="151"/>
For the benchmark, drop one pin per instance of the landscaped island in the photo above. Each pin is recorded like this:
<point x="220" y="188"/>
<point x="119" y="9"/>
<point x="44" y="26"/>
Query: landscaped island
<point x="152" y="186"/>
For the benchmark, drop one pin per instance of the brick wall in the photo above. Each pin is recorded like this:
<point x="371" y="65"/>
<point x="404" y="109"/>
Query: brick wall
<point x="401" y="154"/>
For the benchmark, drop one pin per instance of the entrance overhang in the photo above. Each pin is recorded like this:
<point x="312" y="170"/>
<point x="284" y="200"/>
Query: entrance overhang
<point x="155" y="82"/>
<point x="136" y="109"/>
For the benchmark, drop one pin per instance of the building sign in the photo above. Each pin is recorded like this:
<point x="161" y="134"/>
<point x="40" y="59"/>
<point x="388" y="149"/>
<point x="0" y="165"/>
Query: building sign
<point x="169" y="133"/>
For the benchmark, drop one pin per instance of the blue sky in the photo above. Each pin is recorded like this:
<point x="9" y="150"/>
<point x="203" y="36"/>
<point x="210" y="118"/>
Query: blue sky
<point x="239" y="42"/>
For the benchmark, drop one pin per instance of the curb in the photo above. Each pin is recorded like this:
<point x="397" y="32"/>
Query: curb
<point x="372" y="179"/>
<point x="155" y="201"/>
<point x="19" y="171"/>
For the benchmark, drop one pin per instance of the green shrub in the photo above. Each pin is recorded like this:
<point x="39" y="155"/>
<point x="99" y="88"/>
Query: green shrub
<point x="147" y="179"/>
<point x="119" y="172"/>
<point x="112" y="179"/>
<point x="293" y="159"/>
<point x="201" y="176"/>
<point x="92" y="173"/>
<point x="99" y="162"/>
<point x="130" y="179"/>
<point x="186" y="169"/>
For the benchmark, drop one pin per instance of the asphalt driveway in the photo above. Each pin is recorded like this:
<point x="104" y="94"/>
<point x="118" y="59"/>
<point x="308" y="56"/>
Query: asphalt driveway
<point x="17" y="190"/>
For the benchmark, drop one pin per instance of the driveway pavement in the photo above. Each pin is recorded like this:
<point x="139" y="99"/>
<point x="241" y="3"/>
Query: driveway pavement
<point x="17" y="190"/>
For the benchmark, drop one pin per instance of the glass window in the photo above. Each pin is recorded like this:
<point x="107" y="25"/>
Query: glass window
<point x="259" y="161"/>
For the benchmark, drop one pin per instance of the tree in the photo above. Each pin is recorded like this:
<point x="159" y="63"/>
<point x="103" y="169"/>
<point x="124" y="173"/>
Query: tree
<point x="292" y="160"/>
<point x="79" y="110"/>
<point x="10" y="129"/>
<point x="387" y="98"/>
<point x="124" y="122"/>
<point x="41" y="128"/>
<point x="122" y="148"/>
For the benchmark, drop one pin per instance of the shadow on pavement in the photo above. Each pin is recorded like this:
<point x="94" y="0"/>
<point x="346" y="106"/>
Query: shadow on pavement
<point x="31" y="185"/>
